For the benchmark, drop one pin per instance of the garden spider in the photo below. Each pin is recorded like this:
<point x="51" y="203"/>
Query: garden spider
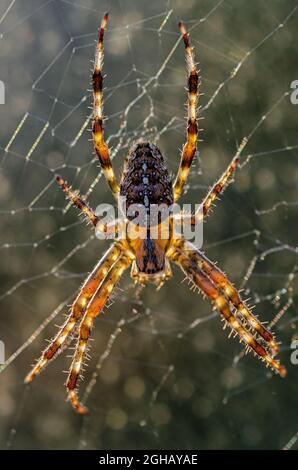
<point x="146" y="181"/>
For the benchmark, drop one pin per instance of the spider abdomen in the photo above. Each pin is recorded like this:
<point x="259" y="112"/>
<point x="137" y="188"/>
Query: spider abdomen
<point x="146" y="180"/>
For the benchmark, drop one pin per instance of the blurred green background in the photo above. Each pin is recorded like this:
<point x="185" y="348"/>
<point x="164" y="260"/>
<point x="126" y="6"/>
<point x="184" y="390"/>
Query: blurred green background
<point x="169" y="380"/>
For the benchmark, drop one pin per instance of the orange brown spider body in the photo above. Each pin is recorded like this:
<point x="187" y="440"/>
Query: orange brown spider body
<point x="146" y="182"/>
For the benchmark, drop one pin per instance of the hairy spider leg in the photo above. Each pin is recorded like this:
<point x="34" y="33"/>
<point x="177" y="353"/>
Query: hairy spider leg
<point x="100" y="145"/>
<point x="223" y="283"/>
<point x="93" y="309"/>
<point x="199" y="278"/>
<point x="77" y="201"/>
<point x="222" y="182"/>
<point x="88" y="289"/>
<point x="190" y="147"/>
<point x="216" y="189"/>
<point x="110" y="230"/>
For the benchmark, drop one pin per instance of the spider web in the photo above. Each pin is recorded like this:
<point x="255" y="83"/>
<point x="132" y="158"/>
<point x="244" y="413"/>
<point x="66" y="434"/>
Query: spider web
<point x="160" y="362"/>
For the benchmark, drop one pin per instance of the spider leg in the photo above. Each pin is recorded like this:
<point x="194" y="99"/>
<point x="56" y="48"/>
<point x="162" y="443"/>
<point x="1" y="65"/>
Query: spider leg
<point x="221" y="281"/>
<point x="87" y="291"/>
<point x="100" y="145"/>
<point x="77" y="201"/>
<point x="110" y="230"/>
<point x="222" y="182"/>
<point x="216" y="189"/>
<point x="93" y="309"/>
<point x="205" y="284"/>
<point x="190" y="147"/>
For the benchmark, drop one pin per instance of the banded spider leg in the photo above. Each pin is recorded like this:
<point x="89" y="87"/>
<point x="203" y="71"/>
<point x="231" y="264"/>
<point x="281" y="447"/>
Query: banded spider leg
<point x="215" y="285"/>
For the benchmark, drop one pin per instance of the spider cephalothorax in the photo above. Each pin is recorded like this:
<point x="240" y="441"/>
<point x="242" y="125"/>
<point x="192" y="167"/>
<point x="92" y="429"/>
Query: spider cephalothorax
<point x="146" y="184"/>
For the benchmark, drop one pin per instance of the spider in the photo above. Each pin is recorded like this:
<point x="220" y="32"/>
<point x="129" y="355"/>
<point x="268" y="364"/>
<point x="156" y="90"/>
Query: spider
<point x="145" y="180"/>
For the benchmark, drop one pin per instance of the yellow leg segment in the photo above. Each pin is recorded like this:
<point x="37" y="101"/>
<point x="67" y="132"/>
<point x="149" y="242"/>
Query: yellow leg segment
<point x="101" y="148"/>
<point x="190" y="147"/>
<point x="87" y="291"/>
<point x="94" y="308"/>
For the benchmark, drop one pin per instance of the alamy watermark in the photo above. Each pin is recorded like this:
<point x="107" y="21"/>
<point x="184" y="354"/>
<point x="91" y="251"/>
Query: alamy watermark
<point x="2" y="352"/>
<point x="2" y="93"/>
<point x="294" y="354"/>
<point x="158" y="221"/>
<point x="294" y="93"/>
